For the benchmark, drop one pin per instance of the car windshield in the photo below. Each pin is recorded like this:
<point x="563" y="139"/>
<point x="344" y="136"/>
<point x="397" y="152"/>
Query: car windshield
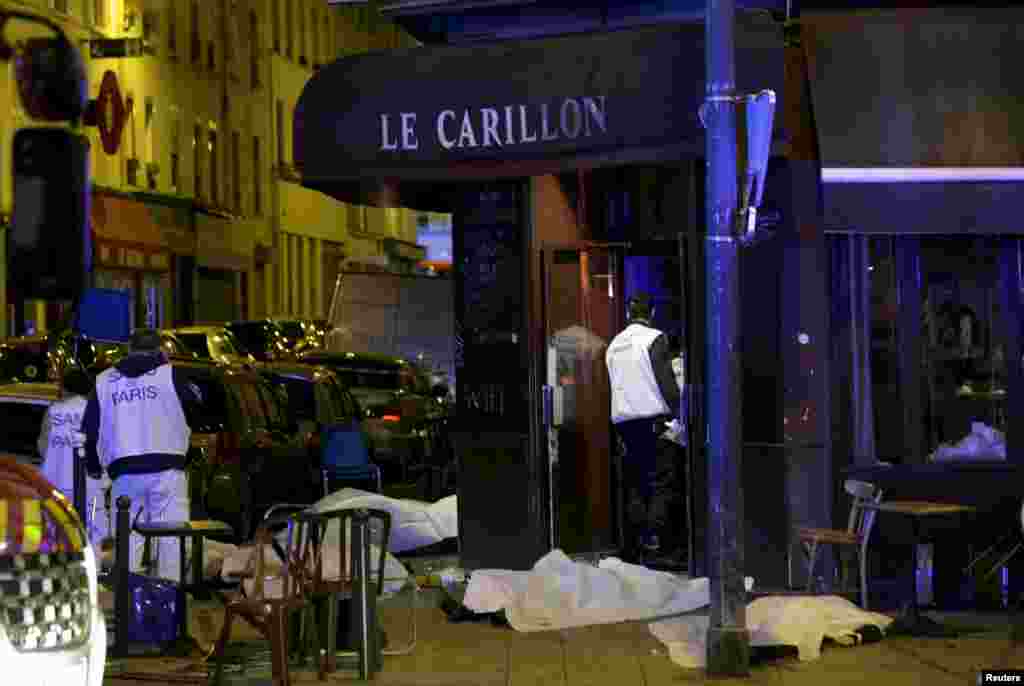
<point x="196" y="344"/>
<point x="292" y="329"/>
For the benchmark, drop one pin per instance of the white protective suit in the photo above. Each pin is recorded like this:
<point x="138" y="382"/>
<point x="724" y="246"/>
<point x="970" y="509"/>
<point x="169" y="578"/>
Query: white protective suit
<point x="58" y="438"/>
<point x="142" y="419"/>
<point x="635" y="392"/>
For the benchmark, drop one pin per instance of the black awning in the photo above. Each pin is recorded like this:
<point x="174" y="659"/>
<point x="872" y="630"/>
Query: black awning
<point x="416" y="120"/>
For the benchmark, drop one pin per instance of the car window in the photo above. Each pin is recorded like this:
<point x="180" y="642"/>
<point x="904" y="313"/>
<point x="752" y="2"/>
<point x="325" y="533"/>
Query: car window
<point x="277" y="413"/>
<point x="224" y="343"/>
<point x="250" y="404"/>
<point x="213" y="411"/>
<point x="196" y="343"/>
<point x="301" y="401"/>
<point x="254" y="337"/>
<point x="20" y="429"/>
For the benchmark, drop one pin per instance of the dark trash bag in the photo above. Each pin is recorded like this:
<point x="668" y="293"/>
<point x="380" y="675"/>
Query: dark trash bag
<point x="155" y="610"/>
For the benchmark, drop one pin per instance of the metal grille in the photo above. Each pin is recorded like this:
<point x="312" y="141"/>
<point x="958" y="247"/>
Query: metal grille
<point x="44" y="601"/>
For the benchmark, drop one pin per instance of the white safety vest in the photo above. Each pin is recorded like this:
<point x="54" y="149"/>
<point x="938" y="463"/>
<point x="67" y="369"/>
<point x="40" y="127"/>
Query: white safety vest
<point x="140" y="415"/>
<point x="63" y="419"/>
<point x="635" y="392"/>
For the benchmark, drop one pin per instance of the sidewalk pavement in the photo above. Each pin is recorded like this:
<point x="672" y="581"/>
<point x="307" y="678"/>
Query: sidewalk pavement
<point x="479" y="654"/>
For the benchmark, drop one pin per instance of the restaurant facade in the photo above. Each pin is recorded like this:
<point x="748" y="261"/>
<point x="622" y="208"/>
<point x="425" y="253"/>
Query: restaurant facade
<point x="577" y="179"/>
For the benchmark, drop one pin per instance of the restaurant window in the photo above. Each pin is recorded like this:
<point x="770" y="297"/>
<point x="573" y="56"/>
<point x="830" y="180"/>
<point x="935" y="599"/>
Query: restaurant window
<point x="257" y="178"/>
<point x="214" y="170"/>
<point x="255" y="50"/>
<point x="938" y="315"/>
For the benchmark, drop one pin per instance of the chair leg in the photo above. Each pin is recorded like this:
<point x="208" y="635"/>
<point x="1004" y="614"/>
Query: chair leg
<point x="330" y="639"/>
<point x="863" y="578"/>
<point x="812" y="557"/>
<point x="221" y="646"/>
<point x="277" y="625"/>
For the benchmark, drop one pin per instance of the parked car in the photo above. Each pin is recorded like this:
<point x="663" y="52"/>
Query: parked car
<point x="22" y="407"/>
<point x="303" y="334"/>
<point x="52" y="630"/>
<point x="40" y="358"/>
<point x="261" y="338"/>
<point x="215" y="343"/>
<point x="399" y="409"/>
<point x="246" y="454"/>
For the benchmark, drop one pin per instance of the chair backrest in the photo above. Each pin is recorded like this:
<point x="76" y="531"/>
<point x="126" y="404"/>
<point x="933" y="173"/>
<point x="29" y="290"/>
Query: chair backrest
<point x="321" y="524"/>
<point x="862" y="518"/>
<point x="295" y="566"/>
<point x="343" y="445"/>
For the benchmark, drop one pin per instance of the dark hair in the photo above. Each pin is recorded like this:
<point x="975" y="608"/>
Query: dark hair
<point x="77" y="381"/>
<point x="639" y="307"/>
<point x="145" y="340"/>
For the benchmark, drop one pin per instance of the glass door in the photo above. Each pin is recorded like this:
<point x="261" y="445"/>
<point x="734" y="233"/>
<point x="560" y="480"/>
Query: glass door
<point x="586" y="287"/>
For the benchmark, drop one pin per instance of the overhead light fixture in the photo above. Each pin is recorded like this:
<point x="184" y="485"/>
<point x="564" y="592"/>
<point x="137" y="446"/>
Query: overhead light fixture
<point x="921" y="174"/>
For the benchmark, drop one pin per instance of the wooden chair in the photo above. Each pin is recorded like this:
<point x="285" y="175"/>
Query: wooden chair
<point x="855" y="535"/>
<point x="270" y="615"/>
<point x="350" y="581"/>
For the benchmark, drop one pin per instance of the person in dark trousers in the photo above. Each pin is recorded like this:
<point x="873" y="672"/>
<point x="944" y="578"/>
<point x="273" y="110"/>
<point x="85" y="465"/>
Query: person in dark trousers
<point x="644" y="395"/>
<point x="136" y="428"/>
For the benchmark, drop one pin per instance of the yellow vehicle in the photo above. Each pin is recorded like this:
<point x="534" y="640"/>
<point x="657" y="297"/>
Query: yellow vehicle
<point x="52" y="629"/>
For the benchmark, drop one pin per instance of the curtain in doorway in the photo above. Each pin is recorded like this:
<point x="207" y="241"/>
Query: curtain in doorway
<point x="851" y="338"/>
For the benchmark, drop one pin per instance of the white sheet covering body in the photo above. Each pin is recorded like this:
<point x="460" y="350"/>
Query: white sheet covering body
<point x="559" y="593"/>
<point x="800" y="621"/>
<point x="414" y="523"/>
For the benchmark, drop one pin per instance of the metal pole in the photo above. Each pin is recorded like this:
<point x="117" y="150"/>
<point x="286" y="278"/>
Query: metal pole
<point x="728" y="641"/>
<point x="122" y="593"/>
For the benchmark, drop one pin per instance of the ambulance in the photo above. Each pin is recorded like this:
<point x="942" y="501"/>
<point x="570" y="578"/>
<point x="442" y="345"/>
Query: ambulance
<point x="52" y="630"/>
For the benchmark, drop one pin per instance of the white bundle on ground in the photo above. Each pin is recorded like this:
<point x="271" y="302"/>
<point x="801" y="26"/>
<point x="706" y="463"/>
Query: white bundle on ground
<point x="241" y="561"/>
<point x="800" y="621"/>
<point x="983" y="443"/>
<point x="559" y="593"/>
<point x="414" y="523"/>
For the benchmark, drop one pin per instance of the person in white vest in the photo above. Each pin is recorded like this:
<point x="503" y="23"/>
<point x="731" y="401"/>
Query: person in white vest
<point x="136" y="428"/>
<point x="644" y="395"/>
<point x="58" y="439"/>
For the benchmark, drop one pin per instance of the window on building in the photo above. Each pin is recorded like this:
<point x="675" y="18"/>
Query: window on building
<point x="214" y="170"/>
<point x="314" y="30"/>
<point x="59" y="6"/>
<point x="211" y="56"/>
<point x="236" y="172"/>
<point x="279" y="117"/>
<point x="300" y="36"/>
<point x="99" y="13"/>
<point x="197" y="162"/>
<point x="289" y="32"/>
<point x="255" y="50"/>
<point x="275" y="25"/>
<point x="172" y="30"/>
<point x="174" y="173"/>
<point x="257" y="177"/>
<point x="194" y="37"/>
<point x="148" y="127"/>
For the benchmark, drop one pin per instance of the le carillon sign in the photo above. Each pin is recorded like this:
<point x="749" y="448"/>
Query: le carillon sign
<point x="517" y="108"/>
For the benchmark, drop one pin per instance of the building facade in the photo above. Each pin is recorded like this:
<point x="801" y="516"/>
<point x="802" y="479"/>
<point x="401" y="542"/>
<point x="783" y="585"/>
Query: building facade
<point x="198" y="214"/>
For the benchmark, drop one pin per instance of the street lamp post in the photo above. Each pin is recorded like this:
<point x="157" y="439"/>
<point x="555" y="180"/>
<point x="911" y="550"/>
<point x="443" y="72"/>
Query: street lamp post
<point x="728" y="641"/>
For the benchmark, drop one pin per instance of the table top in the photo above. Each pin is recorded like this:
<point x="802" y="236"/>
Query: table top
<point x="195" y="527"/>
<point x="917" y="508"/>
<point x="980" y="483"/>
